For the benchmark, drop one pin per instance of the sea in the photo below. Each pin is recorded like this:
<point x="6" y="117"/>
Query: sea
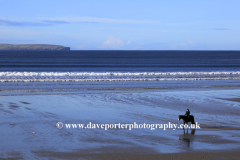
<point x="108" y="69"/>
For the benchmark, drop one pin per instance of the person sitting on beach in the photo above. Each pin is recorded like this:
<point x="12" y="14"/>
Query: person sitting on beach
<point x="187" y="113"/>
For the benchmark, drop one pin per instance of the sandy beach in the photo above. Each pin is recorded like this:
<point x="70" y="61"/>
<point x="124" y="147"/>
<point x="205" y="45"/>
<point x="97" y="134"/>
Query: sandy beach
<point x="115" y="80"/>
<point x="28" y="124"/>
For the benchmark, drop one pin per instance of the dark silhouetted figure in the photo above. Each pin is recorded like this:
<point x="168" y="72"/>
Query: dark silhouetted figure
<point x="187" y="113"/>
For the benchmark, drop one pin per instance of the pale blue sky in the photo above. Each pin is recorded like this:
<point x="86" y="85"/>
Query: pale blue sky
<point x="125" y="24"/>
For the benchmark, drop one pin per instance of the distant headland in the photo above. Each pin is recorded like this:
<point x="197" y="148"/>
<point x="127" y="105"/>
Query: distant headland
<point x="37" y="47"/>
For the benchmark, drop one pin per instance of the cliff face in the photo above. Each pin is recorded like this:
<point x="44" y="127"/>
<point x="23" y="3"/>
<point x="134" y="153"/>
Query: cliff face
<point x="46" y="47"/>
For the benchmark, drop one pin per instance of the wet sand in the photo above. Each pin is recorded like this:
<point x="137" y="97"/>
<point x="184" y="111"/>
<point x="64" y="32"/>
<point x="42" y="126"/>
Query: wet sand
<point x="28" y="125"/>
<point x="234" y="99"/>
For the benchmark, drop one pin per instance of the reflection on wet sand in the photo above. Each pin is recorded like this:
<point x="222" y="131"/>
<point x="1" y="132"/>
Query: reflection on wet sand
<point x="186" y="137"/>
<point x="186" y="132"/>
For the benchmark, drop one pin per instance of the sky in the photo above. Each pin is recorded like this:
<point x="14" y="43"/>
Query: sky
<point x="122" y="25"/>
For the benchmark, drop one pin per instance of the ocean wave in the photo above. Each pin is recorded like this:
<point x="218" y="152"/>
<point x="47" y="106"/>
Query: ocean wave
<point x="115" y="76"/>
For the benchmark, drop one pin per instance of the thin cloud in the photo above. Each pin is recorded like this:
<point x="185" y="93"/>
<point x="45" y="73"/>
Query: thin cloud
<point x="183" y="44"/>
<point x="112" y="42"/>
<point x="55" y="22"/>
<point x="21" y="24"/>
<point x="51" y="21"/>
<point x="128" y="42"/>
<point x="76" y="19"/>
<point x="66" y="20"/>
<point x="31" y="24"/>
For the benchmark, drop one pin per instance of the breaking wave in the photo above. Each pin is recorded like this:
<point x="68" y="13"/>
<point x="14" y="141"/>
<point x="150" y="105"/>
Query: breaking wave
<point x="115" y="76"/>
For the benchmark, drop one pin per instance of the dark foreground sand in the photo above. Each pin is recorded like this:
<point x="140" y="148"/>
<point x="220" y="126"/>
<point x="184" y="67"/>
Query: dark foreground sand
<point x="132" y="156"/>
<point x="207" y="155"/>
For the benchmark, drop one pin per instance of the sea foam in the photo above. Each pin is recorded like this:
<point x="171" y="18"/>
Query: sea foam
<point x="115" y="76"/>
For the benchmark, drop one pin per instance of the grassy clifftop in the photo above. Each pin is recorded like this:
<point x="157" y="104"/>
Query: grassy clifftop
<point x="32" y="47"/>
